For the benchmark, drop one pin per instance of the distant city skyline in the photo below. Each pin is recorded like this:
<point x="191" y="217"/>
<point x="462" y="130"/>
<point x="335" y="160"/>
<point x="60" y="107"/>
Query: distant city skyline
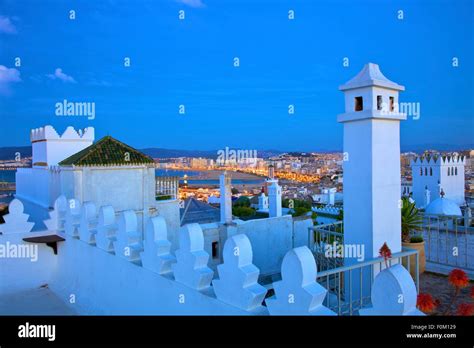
<point x="190" y="62"/>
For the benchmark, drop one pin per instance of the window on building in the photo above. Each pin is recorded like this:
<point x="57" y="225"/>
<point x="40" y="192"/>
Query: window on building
<point x="421" y="171"/>
<point x="379" y="102"/>
<point x="449" y="171"/>
<point x="431" y="171"/>
<point x="358" y="104"/>
<point x="426" y="171"/>
<point x="392" y="103"/>
<point x="456" y="171"/>
<point x="215" y="250"/>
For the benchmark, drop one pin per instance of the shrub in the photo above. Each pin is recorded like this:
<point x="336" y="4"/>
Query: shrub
<point x="296" y="203"/>
<point x="243" y="211"/>
<point x="416" y="239"/>
<point x="411" y="219"/>
<point x="299" y="211"/>
<point x="242" y="201"/>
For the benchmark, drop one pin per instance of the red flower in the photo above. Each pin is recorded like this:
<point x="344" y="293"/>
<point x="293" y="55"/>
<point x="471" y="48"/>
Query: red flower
<point x="458" y="278"/>
<point x="426" y="303"/>
<point x="385" y="252"/>
<point x="465" y="309"/>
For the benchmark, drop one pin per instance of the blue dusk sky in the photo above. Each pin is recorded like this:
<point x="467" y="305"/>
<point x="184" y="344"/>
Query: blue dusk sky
<point x="191" y="62"/>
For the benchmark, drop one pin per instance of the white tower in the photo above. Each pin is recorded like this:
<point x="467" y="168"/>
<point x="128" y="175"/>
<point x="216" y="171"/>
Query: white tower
<point x="262" y="202"/>
<point x="274" y="198"/>
<point x="372" y="162"/>
<point x="49" y="148"/>
<point x="226" y="198"/>
<point x="41" y="184"/>
<point x="436" y="172"/>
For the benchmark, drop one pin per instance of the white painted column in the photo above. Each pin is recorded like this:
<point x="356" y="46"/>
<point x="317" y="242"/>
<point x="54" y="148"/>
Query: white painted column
<point x="226" y="198"/>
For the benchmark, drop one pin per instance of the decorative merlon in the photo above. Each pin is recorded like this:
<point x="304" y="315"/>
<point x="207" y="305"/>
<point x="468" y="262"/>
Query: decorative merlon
<point x="106" y="229"/>
<point x="156" y="255"/>
<point x="57" y="216"/>
<point x="88" y="223"/>
<point x="438" y="160"/>
<point x="238" y="276"/>
<point x="129" y="242"/>
<point x="191" y="267"/>
<point x="393" y="293"/>
<point x="49" y="133"/>
<point x="16" y="221"/>
<point x="298" y="293"/>
<point x="73" y="218"/>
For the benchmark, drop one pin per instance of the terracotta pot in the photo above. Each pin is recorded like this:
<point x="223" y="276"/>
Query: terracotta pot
<point x="421" y="258"/>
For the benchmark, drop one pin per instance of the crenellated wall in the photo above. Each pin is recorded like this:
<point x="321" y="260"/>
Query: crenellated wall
<point x="49" y="148"/>
<point x="108" y="265"/>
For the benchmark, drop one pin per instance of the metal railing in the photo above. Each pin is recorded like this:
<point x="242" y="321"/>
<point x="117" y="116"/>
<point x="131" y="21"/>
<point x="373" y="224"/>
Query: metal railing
<point x="166" y="187"/>
<point x="349" y="286"/>
<point x="448" y="242"/>
<point x="322" y="236"/>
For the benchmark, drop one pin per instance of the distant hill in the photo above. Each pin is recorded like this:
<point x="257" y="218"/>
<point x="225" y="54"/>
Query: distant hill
<point x="9" y="153"/>
<point x="419" y="148"/>
<point x="168" y="153"/>
<point x="171" y="153"/>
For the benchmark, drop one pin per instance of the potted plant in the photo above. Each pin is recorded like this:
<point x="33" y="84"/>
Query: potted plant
<point x="412" y="222"/>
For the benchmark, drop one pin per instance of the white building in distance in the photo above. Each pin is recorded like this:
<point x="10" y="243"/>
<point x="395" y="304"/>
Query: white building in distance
<point x="438" y="173"/>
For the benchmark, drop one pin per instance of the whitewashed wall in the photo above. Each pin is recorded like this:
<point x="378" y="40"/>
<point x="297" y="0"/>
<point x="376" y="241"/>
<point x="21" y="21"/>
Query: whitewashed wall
<point x="37" y="185"/>
<point x="19" y="274"/>
<point x="111" y="186"/>
<point x="103" y="283"/>
<point x="271" y="238"/>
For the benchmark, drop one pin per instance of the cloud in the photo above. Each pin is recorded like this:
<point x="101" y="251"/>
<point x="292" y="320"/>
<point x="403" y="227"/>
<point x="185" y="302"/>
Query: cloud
<point x="6" y="26"/>
<point x="8" y="76"/>
<point x="58" y="74"/>
<point x="192" y="3"/>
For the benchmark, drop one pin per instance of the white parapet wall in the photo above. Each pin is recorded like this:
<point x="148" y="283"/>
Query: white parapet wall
<point x="93" y="281"/>
<point x="272" y="238"/>
<point x="102" y="283"/>
<point x="38" y="185"/>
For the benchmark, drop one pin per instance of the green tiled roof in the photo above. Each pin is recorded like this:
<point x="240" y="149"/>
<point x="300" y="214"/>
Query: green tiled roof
<point x="107" y="152"/>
